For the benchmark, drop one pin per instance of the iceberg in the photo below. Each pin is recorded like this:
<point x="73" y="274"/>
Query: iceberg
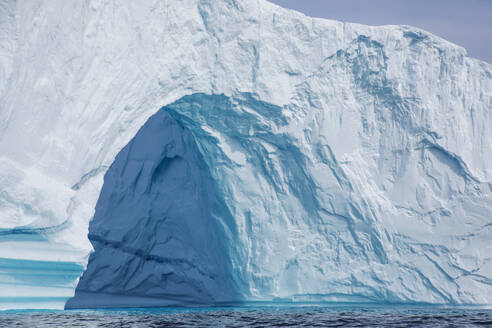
<point x="234" y="151"/>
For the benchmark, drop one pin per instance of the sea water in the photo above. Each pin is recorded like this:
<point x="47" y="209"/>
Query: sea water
<point x="258" y="316"/>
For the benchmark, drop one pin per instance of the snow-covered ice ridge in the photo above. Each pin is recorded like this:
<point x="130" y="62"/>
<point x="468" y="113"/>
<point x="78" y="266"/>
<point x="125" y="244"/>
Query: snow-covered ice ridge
<point x="347" y="162"/>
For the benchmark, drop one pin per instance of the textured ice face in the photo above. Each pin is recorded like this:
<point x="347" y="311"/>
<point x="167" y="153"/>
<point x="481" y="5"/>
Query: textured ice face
<point x="354" y="160"/>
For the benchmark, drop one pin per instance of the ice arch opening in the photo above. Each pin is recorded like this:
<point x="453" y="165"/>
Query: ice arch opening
<point x="265" y="209"/>
<point x="257" y="228"/>
<point x="156" y="236"/>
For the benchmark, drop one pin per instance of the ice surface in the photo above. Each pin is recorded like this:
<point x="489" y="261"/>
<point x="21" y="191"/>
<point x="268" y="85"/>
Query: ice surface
<point x="354" y="160"/>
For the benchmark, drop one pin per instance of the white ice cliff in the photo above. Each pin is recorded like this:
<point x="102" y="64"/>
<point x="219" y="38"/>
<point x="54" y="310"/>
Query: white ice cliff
<point x="338" y="162"/>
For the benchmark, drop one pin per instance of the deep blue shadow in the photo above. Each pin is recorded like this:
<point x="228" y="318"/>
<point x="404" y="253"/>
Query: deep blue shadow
<point x="156" y="240"/>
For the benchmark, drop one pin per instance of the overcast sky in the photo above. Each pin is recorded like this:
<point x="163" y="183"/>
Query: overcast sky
<point x="464" y="22"/>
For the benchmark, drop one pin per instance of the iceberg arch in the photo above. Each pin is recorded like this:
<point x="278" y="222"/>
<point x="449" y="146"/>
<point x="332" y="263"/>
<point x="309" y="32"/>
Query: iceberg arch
<point x="222" y="199"/>
<point x="371" y="179"/>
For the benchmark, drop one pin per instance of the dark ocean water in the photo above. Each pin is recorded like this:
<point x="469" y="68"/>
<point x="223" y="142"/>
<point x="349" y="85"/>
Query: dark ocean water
<point x="265" y="316"/>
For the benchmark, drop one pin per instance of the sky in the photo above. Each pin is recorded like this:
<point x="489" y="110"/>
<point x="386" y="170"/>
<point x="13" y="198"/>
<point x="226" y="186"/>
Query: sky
<point x="467" y="23"/>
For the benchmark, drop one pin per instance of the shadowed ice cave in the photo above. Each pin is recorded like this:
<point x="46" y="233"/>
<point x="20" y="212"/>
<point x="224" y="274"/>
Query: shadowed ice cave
<point x="156" y="240"/>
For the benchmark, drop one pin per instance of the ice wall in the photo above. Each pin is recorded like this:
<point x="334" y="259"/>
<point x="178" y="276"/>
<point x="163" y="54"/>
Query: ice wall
<point x="372" y="180"/>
